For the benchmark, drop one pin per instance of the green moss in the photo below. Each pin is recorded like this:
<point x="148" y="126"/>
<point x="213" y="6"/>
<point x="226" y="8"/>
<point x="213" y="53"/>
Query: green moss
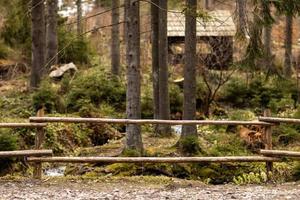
<point x="190" y="145"/>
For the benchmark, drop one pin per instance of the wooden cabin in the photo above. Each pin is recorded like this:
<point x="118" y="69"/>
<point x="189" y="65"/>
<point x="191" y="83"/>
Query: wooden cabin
<point x="215" y="39"/>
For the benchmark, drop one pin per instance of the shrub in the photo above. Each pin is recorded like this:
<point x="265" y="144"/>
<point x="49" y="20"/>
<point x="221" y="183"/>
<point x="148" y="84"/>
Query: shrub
<point x="46" y="96"/>
<point x="236" y="93"/>
<point x="147" y="103"/>
<point x="3" y="51"/>
<point x="8" y="142"/>
<point x="190" y="145"/>
<point x="73" y="49"/>
<point x="176" y="98"/>
<point x="16" y="30"/>
<point x="95" y="88"/>
<point x="274" y="94"/>
<point x="286" y="134"/>
<point x="296" y="173"/>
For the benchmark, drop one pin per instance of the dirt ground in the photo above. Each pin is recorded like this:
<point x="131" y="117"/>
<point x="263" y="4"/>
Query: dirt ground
<point x="139" y="188"/>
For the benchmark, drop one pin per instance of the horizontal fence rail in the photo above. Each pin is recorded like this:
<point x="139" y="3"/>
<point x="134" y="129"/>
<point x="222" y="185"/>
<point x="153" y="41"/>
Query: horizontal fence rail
<point x="279" y="120"/>
<point x="279" y="153"/>
<point x="25" y="153"/>
<point x="22" y="125"/>
<point x="154" y="159"/>
<point x="144" y="121"/>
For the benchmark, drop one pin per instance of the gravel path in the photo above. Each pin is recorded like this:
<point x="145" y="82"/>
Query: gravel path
<point x="120" y="189"/>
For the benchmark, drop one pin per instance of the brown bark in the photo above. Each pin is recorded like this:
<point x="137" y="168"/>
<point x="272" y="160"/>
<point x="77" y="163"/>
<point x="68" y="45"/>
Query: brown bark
<point x="51" y="33"/>
<point x="164" y="99"/>
<point x="288" y="46"/>
<point x="133" y="107"/>
<point x="242" y="26"/>
<point x="115" y="34"/>
<point x="189" y="102"/>
<point x="155" y="57"/>
<point x="38" y="42"/>
<point x="79" y="17"/>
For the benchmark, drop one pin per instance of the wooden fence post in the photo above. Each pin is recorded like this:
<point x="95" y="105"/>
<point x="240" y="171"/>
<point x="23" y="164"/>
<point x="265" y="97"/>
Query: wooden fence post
<point x="268" y="141"/>
<point x="39" y="139"/>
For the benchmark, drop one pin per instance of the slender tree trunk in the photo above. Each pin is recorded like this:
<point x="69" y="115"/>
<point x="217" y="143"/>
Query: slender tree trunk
<point x="208" y="4"/>
<point x="189" y="103"/>
<point x="133" y="108"/>
<point x="242" y="25"/>
<point x="268" y="40"/>
<point x="38" y="42"/>
<point x="79" y="17"/>
<point x="288" y="46"/>
<point x="164" y="99"/>
<point x="115" y="34"/>
<point x="155" y="57"/>
<point x="51" y="33"/>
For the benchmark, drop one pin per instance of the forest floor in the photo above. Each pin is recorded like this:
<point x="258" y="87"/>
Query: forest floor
<point x="140" y="188"/>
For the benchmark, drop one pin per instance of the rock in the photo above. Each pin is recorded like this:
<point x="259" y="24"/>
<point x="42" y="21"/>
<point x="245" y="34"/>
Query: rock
<point x="58" y="72"/>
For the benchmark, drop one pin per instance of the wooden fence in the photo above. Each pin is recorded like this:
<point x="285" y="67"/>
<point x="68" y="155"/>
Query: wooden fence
<point x="39" y="156"/>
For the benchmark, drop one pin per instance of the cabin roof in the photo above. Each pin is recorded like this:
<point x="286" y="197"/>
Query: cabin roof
<point x="220" y="23"/>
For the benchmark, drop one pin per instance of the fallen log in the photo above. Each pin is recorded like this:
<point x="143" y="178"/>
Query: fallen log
<point x="279" y="153"/>
<point x="144" y="121"/>
<point x="25" y="153"/>
<point x="22" y="125"/>
<point x="153" y="159"/>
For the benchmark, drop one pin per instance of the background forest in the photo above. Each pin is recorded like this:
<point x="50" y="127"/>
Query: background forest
<point x="120" y="59"/>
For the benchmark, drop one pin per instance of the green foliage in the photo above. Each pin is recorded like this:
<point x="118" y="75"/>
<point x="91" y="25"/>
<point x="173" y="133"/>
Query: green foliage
<point x="16" y="30"/>
<point x="176" y="98"/>
<point x="95" y="88"/>
<point x="8" y="142"/>
<point x="72" y="48"/>
<point x="251" y="178"/>
<point x="64" y="138"/>
<point x="286" y="134"/>
<point x="275" y="94"/>
<point x="235" y="93"/>
<point x="15" y="105"/>
<point x="130" y="153"/>
<point x="296" y="172"/>
<point x="241" y="115"/>
<point x="147" y="103"/>
<point x="189" y="145"/>
<point x="45" y="96"/>
<point x="3" y="51"/>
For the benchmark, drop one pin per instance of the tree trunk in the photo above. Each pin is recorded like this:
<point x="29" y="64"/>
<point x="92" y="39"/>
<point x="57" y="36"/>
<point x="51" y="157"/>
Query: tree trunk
<point x="51" y="33"/>
<point x="38" y="42"/>
<point x="155" y="57"/>
<point x="267" y="33"/>
<point x="133" y="108"/>
<point x="189" y="102"/>
<point x="79" y="17"/>
<point x="288" y="46"/>
<point x="208" y="4"/>
<point x="164" y="99"/>
<point x="115" y="35"/>
<point x="242" y="25"/>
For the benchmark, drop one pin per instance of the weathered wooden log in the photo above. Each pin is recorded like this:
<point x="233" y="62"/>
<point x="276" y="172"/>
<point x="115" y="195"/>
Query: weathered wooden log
<point x="25" y="153"/>
<point x="22" y="125"/>
<point x="145" y="121"/>
<point x="153" y="159"/>
<point x="279" y="120"/>
<point x="39" y="139"/>
<point x="268" y="142"/>
<point x="279" y="153"/>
